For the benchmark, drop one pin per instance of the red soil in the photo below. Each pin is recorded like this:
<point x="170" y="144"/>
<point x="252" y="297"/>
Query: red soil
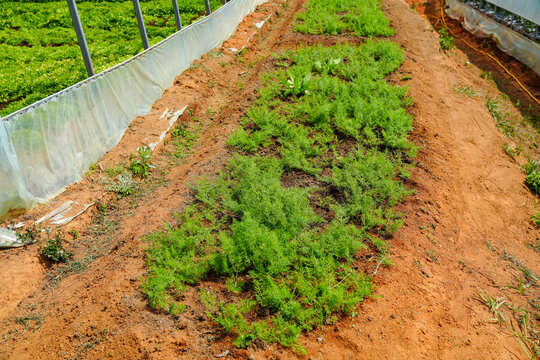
<point x="469" y="194"/>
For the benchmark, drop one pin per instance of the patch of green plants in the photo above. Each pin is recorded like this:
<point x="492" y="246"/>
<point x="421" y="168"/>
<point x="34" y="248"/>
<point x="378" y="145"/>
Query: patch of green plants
<point x="53" y="249"/>
<point x="446" y="40"/>
<point x="123" y="185"/>
<point x="512" y="151"/>
<point x="465" y="91"/>
<point x="501" y="118"/>
<point x="532" y="170"/>
<point x="486" y="75"/>
<point x="184" y="139"/>
<point x="40" y="55"/>
<point x="140" y="165"/>
<point x="37" y="319"/>
<point x="114" y="170"/>
<point x="285" y="249"/>
<point x="28" y="235"/>
<point x="535" y="219"/>
<point x="333" y="17"/>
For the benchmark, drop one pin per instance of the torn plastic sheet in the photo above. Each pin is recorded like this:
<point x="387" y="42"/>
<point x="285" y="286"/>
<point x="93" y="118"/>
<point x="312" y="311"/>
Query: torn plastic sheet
<point x="61" y="209"/>
<point x="509" y="41"/>
<point x="51" y="144"/>
<point x="9" y="239"/>
<point x="172" y="120"/>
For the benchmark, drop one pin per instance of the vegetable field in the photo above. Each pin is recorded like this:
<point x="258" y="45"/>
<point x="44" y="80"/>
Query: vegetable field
<point x="40" y="52"/>
<point x="345" y="186"/>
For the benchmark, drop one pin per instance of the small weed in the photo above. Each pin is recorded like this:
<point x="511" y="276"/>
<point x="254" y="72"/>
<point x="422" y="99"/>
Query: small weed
<point x="529" y="275"/>
<point x="140" y="165"/>
<point x="494" y="108"/>
<point x="486" y="75"/>
<point x="114" y="170"/>
<point x="510" y="151"/>
<point x="73" y="266"/>
<point x="406" y="77"/>
<point x="532" y="170"/>
<point x="26" y="320"/>
<point x="199" y="66"/>
<point x="465" y="91"/>
<point x="185" y="139"/>
<point x="28" y="235"/>
<point x="54" y="251"/>
<point x="493" y="304"/>
<point x="535" y="245"/>
<point x="74" y="234"/>
<point x="431" y="256"/>
<point x="124" y="184"/>
<point x="91" y="169"/>
<point x="215" y="54"/>
<point x="446" y="40"/>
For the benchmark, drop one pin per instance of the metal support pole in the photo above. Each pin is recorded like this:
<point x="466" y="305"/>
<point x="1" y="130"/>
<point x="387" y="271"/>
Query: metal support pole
<point x="177" y="15"/>
<point x="81" y="38"/>
<point x="208" y="9"/>
<point x="140" y="21"/>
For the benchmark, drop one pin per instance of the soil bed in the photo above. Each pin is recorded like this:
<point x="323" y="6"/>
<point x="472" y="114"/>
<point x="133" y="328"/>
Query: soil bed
<point x="466" y="228"/>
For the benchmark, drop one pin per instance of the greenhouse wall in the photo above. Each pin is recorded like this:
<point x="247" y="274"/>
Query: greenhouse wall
<point x="509" y="41"/>
<point x="51" y="144"/>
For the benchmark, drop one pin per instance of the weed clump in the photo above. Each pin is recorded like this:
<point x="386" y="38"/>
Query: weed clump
<point x="124" y="184"/>
<point x="140" y="165"/>
<point x="532" y="170"/>
<point x="446" y="40"/>
<point x="28" y="235"/>
<point x="53" y="249"/>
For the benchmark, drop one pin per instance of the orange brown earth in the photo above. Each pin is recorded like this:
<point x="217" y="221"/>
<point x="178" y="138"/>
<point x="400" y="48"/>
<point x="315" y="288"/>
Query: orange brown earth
<point x="466" y="229"/>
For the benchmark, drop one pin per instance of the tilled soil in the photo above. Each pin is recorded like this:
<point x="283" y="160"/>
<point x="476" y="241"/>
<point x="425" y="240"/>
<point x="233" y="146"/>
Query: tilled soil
<point x="466" y="228"/>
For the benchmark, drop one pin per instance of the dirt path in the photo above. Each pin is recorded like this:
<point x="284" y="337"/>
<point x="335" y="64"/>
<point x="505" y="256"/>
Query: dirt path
<point x="466" y="228"/>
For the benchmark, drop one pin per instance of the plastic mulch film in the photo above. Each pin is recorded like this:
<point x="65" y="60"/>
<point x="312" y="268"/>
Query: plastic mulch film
<point x="509" y="41"/>
<point x="50" y="144"/>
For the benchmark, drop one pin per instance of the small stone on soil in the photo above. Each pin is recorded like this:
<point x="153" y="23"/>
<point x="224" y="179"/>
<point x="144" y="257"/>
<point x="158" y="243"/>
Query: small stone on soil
<point x="223" y="354"/>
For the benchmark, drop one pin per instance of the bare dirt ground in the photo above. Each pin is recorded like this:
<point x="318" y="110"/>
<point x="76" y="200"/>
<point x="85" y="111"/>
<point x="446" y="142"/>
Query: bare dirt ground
<point x="466" y="228"/>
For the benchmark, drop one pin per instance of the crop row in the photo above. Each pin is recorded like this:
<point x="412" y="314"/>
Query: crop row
<point x="288" y="234"/>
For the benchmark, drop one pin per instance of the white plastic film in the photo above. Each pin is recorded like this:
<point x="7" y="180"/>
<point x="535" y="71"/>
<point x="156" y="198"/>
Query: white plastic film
<point x="509" y="41"/>
<point x="50" y="144"/>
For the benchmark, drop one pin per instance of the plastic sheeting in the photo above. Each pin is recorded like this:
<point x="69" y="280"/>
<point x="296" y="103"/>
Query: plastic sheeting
<point x="523" y="49"/>
<point x="50" y="144"/>
<point x="529" y="9"/>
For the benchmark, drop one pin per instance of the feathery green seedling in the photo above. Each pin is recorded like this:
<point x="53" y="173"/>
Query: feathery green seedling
<point x="362" y="18"/>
